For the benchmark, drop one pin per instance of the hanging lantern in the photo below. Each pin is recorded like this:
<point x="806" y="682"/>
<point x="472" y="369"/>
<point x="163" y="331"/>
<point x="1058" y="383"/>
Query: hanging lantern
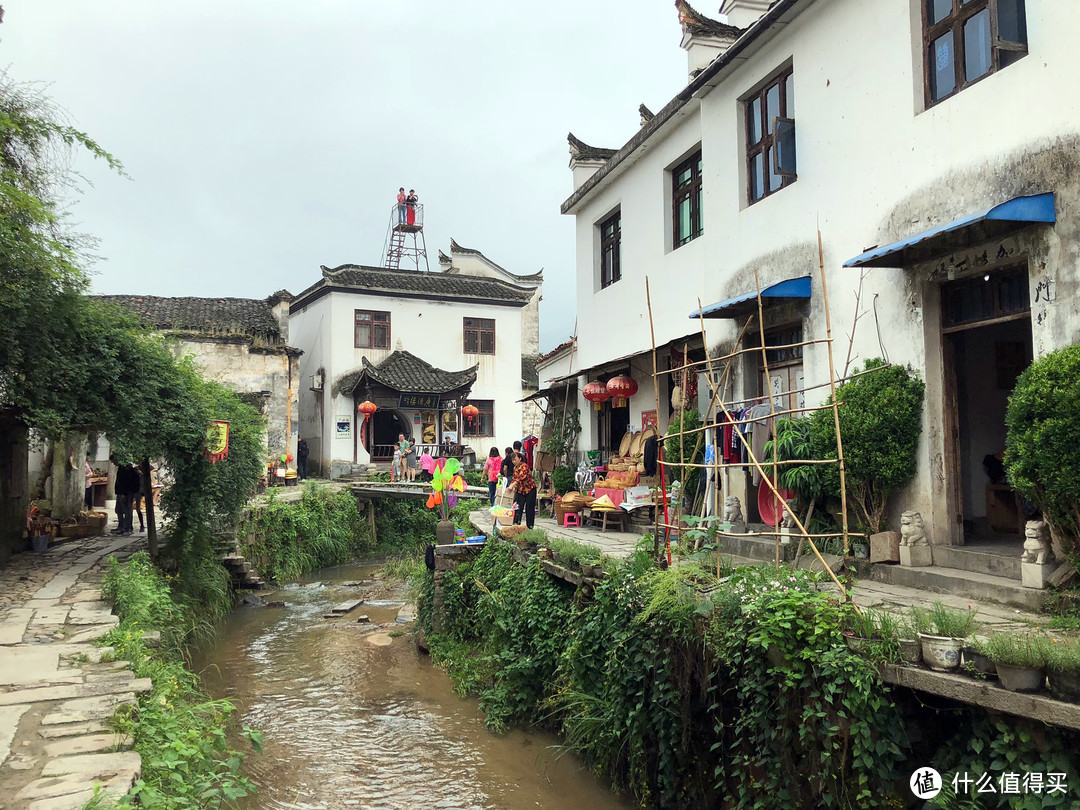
<point x="470" y="412"/>
<point x="621" y="389"/>
<point x="367" y="408"/>
<point x="596" y="392"/>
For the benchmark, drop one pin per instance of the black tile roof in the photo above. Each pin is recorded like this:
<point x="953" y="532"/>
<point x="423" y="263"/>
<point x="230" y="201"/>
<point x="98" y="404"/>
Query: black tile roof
<point x="414" y="284"/>
<point x="566" y="344"/>
<point x="211" y="317"/>
<point x="696" y="23"/>
<point x="404" y="371"/>
<point x="579" y="150"/>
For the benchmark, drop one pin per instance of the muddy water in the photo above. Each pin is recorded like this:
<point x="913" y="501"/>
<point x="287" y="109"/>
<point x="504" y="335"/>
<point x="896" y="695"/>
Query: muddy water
<point x="356" y="719"/>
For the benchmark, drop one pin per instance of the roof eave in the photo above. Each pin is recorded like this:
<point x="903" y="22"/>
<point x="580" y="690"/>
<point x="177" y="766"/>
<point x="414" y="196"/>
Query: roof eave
<point x="783" y="11"/>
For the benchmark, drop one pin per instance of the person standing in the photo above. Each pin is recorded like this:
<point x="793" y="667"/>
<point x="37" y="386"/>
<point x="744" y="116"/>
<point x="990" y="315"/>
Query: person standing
<point x="412" y="461"/>
<point x="491" y="469"/>
<point x="401" y="207"/>
<point x="126" y="486"/>
<point x="410" y="203"/>
<point x="404" y="448"/>
<point x="506" y="469"/>
<point x="302" y="453"/>
<point x="524" y="487"/>
<point x="88" y="495"/>
<point x="136" y="502"/>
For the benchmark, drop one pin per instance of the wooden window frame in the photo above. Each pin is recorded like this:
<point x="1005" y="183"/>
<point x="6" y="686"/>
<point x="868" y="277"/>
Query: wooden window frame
<point x="691" y="191"/>
<point x="479" y="329"/>
<point x="962" y="11"/>
<point x="611" y="243"/>
<point x="371" y="326"/>
<point x="996" y="280"/>
<point x="486" y="407"/>
<point x="768" y="141"/>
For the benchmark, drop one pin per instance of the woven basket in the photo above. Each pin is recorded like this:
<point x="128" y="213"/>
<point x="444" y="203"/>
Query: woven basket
<point x="563" y="509"/>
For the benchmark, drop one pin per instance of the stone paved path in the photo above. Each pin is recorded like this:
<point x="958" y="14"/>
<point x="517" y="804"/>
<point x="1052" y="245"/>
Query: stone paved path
<point x="56" y="692"/>
<point x="866" y="592"/>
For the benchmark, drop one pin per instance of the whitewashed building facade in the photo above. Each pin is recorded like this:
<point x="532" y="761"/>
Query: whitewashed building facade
<point x="943" y="131"/>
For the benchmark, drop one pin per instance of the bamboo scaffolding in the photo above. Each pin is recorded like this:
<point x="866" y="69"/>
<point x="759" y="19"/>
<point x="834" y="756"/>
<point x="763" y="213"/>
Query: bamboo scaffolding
<point x="656" y="394"/>
<point x="730" y="465"/>
<point x="769" y="394"/>
<point x="736" y="353"/>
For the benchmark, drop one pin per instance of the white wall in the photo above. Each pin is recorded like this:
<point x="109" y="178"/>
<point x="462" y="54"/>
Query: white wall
<point x="874" y="166"/>
<point x="431" y="330"/>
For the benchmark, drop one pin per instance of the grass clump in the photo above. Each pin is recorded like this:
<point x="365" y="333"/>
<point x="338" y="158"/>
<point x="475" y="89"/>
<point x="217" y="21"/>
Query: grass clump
<point x="1063" y="655"/>
<point x="181" y="734"/>
<point x="1016" y="649"/>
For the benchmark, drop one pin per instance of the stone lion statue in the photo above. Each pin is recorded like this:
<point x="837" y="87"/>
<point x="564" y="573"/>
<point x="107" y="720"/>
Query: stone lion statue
<point x="912" y="530"/>
<point x="789" y="516"/>
<point x="1037" y="548"/>
<point x="732" y="510"/>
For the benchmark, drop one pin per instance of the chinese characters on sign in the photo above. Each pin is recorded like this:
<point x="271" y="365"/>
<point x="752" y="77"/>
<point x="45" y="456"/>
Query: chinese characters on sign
<point x="217" y="441"/>
<point x="926" y="783"/>
<point x="648" y="419"/>
<point x="419" y="401"/>
<point x="344" y="426"/>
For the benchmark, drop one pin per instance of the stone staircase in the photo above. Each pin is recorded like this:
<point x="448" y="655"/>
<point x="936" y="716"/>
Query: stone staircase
<point x="244" y="575"/>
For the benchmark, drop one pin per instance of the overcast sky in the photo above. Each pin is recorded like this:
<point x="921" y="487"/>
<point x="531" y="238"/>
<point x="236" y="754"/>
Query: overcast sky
<point x="265" y="138"/>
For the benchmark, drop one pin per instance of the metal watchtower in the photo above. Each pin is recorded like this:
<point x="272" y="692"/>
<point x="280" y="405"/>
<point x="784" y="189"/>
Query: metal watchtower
<point x="405" y="238"/>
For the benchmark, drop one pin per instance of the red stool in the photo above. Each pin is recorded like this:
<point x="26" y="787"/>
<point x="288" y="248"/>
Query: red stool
<point x="571" y="519"/>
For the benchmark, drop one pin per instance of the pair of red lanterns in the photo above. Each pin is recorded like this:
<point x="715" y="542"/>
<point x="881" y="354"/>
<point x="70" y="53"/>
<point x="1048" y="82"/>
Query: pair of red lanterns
<point x="470" y="412"/>
<point x="620" y="389"/>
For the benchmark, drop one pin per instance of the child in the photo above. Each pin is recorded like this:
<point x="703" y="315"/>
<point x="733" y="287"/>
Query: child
<point x="491" y="469"/>
<point x="395" y="468"/>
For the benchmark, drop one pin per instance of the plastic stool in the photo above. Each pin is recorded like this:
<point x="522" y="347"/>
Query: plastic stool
<point x="571" y="519"/>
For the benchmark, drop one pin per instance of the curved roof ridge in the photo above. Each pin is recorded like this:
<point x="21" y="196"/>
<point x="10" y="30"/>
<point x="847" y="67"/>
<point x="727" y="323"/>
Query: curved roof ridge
<point x="579" y="150"/>
<point x="695" y="23"/>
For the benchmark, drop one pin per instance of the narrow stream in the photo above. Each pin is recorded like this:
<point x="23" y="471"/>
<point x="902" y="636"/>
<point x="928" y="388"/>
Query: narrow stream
<point x="357" y="719"/>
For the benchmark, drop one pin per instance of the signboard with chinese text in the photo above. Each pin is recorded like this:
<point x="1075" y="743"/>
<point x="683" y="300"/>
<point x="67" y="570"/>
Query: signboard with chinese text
<point x="217" y="441"/>
<point x="344" y="426"/>
<point x="418" y="402"/>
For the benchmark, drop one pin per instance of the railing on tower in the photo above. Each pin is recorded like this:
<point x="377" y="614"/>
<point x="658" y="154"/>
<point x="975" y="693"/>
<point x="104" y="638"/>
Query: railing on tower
<point x="405" y="237"/>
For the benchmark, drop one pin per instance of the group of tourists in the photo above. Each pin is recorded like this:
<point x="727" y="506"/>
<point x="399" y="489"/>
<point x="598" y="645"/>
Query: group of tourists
<point x="129" y="497"/>
<point x="406" y="459"/>
<point x="406" y="205"/>
<point x="514" y="468"/>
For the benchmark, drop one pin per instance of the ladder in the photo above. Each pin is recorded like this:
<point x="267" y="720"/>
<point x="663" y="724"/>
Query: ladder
<point x="396" y="248"/>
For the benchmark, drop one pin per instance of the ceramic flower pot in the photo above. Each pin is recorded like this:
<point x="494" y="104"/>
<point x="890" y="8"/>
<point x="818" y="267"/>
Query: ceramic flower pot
<point x="1020" y="679"/>
<point x="444" y="532"/>
<point x="1064" y="685"/>
<point x="910" y="651"/>
<point x="860" y="645"/>
<point x="940" y="653"/>
<point x="981" y="663"/>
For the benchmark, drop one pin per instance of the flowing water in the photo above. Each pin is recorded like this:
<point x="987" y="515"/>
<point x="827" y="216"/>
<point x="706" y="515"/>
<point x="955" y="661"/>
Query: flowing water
<point x="355" y="718"/>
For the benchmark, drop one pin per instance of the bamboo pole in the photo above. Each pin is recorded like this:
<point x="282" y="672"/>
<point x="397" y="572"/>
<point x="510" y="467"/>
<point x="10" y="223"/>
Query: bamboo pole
<point x="566" y="394"/>
<point x="659" y="442"/>
<point x="731" y="465"/>
<point x="772" y="403"/>
<point x="835" y="407"/>
<point x="738" y="352"/>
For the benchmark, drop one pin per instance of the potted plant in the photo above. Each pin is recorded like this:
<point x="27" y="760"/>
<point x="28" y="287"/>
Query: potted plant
<point x="908" y="639"/>
<point x="446" y="482"/>
<point x="38" y="528"/>
<point x="1063" y="668"/>
<point x="1020" y="658"/>
<point x="976" y="659"/>
<point x="872" y="634"/>
<point x="942" y="631"/>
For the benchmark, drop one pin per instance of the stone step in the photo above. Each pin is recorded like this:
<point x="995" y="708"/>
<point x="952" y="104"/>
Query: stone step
<point x="980" y="562"/>
<point x="756" y="547"/>
<point x="956" y="582"/>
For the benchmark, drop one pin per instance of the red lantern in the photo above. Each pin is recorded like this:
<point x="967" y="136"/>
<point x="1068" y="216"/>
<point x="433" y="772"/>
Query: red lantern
<point x="596" y="392"/>
<point x="367" y="408"/>
<point x="470" y="412"/>
<point x="621" y="389"/>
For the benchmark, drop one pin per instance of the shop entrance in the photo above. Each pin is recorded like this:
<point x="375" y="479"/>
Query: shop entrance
<point x="613" y="425"/>
<point x="986" y="326"/>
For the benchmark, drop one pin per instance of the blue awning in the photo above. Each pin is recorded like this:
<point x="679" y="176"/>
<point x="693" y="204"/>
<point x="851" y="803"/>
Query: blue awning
<point x="993" y="223"/>
<point x="747" y="302"/>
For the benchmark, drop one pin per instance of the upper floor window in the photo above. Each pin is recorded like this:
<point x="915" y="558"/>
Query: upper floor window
<point x="686" y="201"/>
<point x="479" y="336"/>
<point x="372" y="330"/>
<point x="483" y="424"/>
<point x="965" y="40"/>
<point x="770" y="137"/>
<point x="610" y="239"/>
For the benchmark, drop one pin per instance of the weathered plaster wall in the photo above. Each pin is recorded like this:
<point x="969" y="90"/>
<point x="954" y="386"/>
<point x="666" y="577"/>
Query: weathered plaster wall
<point x="249" y="370"/>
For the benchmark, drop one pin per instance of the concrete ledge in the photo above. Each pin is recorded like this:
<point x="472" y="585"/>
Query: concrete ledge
<point x="985" y="695"/>
<point x="967" y="584"/>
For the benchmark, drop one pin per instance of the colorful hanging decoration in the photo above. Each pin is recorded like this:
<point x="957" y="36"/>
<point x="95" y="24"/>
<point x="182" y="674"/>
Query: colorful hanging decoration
<point x="470" y="412"/>
<point x="367" y="408"/>
<point x="621" y="388"/>
<point x="596" y="392"/>
<point x="446" y="483"/>
<point x="217" y="441"/>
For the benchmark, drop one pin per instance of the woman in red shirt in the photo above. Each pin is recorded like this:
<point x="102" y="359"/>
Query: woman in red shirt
<point x="524" y="487"/>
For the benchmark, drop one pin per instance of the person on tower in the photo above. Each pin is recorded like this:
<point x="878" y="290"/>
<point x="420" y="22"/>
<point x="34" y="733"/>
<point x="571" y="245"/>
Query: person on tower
<point x="401" y="207"/>
<point x="410" y="203"/>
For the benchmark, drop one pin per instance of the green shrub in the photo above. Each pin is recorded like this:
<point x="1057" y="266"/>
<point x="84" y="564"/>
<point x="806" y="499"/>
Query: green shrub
<point x="1018" y="649"/>
<point x="679" y="450"/>
<point x="1042" y="444"/>
<point x="562" y="478"/>
<point x="475" y="478"/>
<point x="880" y="424"/>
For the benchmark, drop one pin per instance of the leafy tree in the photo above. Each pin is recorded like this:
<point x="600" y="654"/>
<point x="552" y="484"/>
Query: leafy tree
<point x="1042" y="453"/>
<point x="880" y="424"/>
